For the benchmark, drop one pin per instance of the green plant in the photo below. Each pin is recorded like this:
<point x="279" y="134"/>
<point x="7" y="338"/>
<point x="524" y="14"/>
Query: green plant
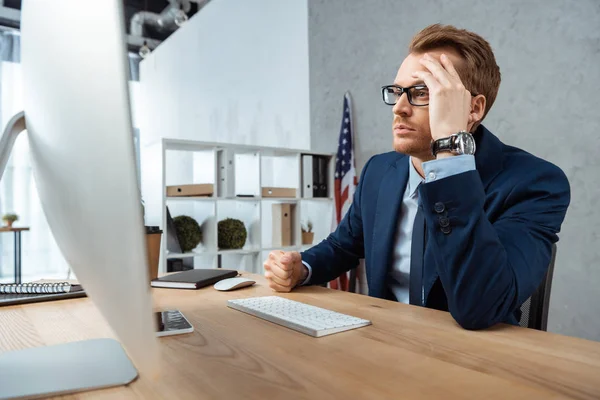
<point x="10" y="218"/>
<point x="232" y="234"/>
<point x="189" y="233"/>
<point x="307" y="227"/>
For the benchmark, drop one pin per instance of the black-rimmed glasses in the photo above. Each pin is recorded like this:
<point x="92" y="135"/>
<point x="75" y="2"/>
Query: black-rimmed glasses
<point x="418" y="95"/>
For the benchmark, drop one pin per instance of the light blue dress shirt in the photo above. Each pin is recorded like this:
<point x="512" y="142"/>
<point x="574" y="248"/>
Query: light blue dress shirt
<point x="434" y="170"/>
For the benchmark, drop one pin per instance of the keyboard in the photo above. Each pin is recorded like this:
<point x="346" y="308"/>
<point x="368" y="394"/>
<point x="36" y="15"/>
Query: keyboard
<point x="304" y="318"/>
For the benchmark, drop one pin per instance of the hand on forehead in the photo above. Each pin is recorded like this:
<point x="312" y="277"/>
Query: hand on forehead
<point x="411" y="64"/>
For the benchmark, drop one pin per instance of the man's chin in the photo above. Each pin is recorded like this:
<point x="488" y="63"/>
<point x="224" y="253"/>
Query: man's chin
<point x="415" y="148"/>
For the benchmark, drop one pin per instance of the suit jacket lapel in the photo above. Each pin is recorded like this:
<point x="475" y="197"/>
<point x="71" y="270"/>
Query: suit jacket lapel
<point x="389" y="199"/>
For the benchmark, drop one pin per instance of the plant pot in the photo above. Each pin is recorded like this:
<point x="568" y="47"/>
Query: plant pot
<point x="308" y="237"/>
<point x="9" y="223"/>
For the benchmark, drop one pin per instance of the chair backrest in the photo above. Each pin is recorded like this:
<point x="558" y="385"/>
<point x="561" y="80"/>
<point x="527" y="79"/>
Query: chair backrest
<point x="534" y="312"/>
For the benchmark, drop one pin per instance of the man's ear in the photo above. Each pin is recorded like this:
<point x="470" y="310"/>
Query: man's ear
<point x="477" y="110"/>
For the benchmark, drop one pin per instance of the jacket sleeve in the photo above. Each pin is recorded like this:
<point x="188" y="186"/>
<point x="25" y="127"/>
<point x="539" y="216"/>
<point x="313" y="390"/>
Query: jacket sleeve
<point x="343" y="248"/>
<point x="489" y="269"/>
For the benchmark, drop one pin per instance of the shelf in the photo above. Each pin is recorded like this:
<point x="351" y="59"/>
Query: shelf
<point x="256" y="198"/>
<point x="283" y="248"/>
<point x="235" y="198"/>
<point x="192" y="145"/>
<point x="190" y="254"/>
<point x="190" y="198"/>
<point x="324" y="199"/>
<point x="235" y="251"/>
<point x="204" y="198"/>
<point x="233" y="169"/>
<point x="290" y="199"/>
<point x="239" y="251"/>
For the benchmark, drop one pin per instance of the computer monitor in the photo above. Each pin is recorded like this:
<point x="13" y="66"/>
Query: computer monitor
<point x="78" y="120"/>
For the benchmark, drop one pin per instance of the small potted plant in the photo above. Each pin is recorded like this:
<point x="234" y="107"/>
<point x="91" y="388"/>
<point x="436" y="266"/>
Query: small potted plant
<point x="189" y="232"/>
<point x="232" y="234"/>
<point x="307" y="234"/>
<point x="9" y="219"/>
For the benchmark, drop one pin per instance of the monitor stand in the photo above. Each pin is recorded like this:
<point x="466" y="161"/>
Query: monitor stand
<point x="64" y="368"/>
<point x="15" y="126"/>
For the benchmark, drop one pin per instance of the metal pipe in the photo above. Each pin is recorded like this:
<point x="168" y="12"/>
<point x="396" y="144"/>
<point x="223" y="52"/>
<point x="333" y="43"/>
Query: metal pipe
<point x="168" y="20"/>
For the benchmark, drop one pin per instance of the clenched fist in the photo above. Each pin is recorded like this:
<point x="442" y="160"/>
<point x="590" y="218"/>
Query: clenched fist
<point x="284" y="270"/>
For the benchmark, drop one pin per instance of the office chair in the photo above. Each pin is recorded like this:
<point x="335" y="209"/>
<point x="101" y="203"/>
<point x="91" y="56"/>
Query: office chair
<point x="534" y="312"/>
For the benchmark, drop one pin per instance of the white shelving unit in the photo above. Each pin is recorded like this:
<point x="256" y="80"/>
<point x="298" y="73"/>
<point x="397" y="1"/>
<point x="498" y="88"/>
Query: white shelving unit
<point x="234" y="170"/>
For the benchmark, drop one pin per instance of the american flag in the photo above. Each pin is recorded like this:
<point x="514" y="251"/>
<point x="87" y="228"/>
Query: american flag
<point x="345" y="180"/>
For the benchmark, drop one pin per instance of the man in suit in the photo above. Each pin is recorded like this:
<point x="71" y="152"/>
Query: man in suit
<point x="453" y="219"/>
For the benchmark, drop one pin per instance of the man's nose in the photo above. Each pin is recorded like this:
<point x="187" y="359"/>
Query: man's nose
<point x="402" y="106"/>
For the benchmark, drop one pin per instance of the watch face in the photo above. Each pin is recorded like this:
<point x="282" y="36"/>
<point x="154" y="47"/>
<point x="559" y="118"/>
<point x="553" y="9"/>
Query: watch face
<point x="465" y="143"/>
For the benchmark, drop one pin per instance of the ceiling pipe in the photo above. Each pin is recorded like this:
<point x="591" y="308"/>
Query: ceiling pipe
<point x="171" y="18"/>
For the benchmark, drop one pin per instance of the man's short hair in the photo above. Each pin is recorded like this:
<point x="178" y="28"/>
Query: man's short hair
<point x="479" y="73"/>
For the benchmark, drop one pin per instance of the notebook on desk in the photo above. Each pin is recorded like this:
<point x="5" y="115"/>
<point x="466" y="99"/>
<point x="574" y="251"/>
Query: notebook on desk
<point x="193" y="279"/>
<point x="13" y="294"/>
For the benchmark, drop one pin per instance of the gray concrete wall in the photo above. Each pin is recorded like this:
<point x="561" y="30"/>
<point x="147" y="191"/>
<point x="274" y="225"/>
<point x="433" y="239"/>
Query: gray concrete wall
<point x="549" y="104"/>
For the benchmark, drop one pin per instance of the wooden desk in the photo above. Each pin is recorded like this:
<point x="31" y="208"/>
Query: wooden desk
<point x="17" y="232"/>
<point x="408" y="352"/>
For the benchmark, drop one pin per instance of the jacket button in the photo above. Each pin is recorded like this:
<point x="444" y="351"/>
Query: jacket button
<point x="439" y="207"/>
<point x="446" y="230"/>
<point x="444" y="222"/>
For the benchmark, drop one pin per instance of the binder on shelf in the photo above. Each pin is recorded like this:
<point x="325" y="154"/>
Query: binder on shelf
<point x="278" y="192"/>
<point x="315" y="174"/>
<point x="307" y="176"/>
<point x="321" y="178"/>
<point x="204" y="189"/>
<point x="283" y="217"/>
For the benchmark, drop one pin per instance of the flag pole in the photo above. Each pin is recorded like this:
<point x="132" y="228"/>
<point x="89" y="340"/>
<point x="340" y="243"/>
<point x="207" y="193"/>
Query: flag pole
<point x="352" y="283"/>
<point x="345" y="185"/>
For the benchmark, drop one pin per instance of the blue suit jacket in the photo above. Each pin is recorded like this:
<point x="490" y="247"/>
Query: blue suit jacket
<point x="504" y="217"/>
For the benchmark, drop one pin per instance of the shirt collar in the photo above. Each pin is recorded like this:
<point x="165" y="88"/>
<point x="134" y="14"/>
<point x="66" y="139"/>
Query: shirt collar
<point x="414" y="179"/>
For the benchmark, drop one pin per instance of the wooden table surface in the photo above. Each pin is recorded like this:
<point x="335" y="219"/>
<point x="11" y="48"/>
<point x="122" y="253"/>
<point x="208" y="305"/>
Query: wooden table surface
<point x="408" y="353"/>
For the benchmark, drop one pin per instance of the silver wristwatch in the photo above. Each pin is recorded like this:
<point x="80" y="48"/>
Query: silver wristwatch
<point x="459" y="143"/>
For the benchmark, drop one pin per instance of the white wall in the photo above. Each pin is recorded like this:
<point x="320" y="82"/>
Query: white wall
<point x="237" y="72"/>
